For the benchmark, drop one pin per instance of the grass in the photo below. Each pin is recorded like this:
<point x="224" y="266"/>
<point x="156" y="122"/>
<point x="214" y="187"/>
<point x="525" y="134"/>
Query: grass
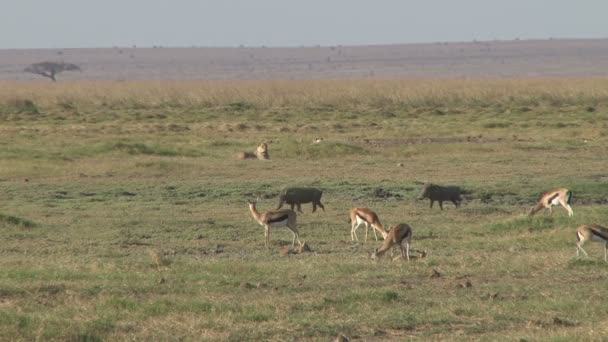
<point x="124" y="210"/>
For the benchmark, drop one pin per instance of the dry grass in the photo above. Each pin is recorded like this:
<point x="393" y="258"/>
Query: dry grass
<point x="338" y="93"/>
<point x="122" y="220"/>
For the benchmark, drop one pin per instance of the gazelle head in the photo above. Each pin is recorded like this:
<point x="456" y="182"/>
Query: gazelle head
<point x="374" y="255"/>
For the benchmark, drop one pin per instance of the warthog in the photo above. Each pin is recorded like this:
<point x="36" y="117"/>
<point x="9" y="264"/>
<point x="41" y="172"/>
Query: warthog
<point x="297" y="196"/>
<point x="441" y="193"/>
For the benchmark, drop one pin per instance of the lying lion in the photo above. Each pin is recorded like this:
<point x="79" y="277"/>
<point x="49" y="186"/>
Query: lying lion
<point x="260" y="153"/>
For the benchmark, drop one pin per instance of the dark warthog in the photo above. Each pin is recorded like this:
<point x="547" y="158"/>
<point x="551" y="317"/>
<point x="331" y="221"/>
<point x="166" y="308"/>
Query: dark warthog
<point x="297" y="196"/>
<point x="441" y="193"/>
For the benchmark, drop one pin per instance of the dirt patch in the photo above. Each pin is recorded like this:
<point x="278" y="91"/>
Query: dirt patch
<point x="384" y="193"/>
<point x="480" y="139"/>
<point x="299" y="249"/>
<point x="589" y="201"/>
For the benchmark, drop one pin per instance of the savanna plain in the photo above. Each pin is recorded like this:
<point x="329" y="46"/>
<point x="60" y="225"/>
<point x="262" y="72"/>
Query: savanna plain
<point x="124" y="209"/>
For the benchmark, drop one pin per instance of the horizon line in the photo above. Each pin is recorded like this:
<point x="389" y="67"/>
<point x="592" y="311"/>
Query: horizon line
<point x="303" y="46"/>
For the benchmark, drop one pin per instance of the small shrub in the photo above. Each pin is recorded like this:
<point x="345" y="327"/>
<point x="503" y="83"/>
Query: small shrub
<point x="23" y="106"/>
<point x="497" y="125"/>
<point x="240" y="106"/>
<point x="390" y="296"/>
<point x="17" y="221"/>
<point x="140" y="148"/>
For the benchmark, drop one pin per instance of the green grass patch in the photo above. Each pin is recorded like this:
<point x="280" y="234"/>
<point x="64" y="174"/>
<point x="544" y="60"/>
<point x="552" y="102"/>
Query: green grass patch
<point x="305" y="150"/>
<point x="145" y="232"/>
<point x="16" y="221"/>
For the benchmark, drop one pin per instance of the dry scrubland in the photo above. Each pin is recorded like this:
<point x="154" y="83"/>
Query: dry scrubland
<point x="521" y="58"/>
<point x="124" y="212"/>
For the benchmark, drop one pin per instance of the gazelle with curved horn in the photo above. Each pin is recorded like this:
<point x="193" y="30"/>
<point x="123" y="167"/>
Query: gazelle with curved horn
<point x="401" y="235"/>
<point x="369" y="218"/>
<point x="554" y="197"/>
<point x="275" y="218"/>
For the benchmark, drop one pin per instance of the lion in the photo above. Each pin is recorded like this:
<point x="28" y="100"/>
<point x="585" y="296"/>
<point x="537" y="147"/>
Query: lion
<point x="260" y="153"/>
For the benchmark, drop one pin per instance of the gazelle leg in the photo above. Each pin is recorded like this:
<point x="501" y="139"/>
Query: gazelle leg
<point x="353" y="231"/>
<point x="580" y="248"/>
<point x="267" y="235"/>
<point x="376" y="236"/>
<point x="296" y="234"/>
<point x="405" y="252"/>
<point x="366" y="225"/>
<point x="569" y="208"/>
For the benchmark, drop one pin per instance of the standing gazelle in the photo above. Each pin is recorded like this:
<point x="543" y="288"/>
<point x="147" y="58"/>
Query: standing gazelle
<point x="400" y="234"/>
<point x="554" y="197"/>
<point x="591" y="232"/>
<point x="276" y="218"/>
<point x="364" y="215"/>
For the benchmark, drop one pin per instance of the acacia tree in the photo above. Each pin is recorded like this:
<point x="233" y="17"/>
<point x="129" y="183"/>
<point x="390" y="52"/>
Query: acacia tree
<point x="50" y="69"/>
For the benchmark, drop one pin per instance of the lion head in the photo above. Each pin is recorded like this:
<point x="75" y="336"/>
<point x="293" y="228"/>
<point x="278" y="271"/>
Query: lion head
<point x="262" y="151"/>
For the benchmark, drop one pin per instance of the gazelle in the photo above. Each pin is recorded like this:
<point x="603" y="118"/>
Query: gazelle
<point x="276" y="218"/>
<point x="364" y="215"/>
<point x="591" y="232"/>
<point x="398" y="235"/>
<point x="554" y="197"/>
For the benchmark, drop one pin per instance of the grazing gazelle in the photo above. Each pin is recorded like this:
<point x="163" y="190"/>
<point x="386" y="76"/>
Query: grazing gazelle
<point x="400" y="234"/>
<point x="554" y="197"/>
<point x="276" y="218"/>
<point x="364" y="215"/>
<point x="591" y="232"/>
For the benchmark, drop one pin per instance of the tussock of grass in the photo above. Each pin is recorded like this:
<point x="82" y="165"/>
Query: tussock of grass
<point x="497" y="124"/>
<point x="305" y="150"/>
<point x="137" y="148"/>
<point x="586" y="262"/>
<point x="17" y="221"/>
<point x="140" y="148"/>
<point x="534" y="223"/>
<point x="20" y="106"/>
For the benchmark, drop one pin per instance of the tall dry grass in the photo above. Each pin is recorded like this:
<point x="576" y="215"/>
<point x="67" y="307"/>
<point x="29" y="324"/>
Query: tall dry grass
<point x="338" y="93"/>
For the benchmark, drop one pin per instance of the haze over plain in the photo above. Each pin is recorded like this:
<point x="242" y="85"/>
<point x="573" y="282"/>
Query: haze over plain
<point x="273" y="39"/>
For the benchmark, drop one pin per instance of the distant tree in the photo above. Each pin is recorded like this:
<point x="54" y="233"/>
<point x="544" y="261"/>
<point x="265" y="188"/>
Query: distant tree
<point x="50" y="69"/>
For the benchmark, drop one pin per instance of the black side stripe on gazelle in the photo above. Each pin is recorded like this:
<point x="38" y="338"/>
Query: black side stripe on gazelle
<point x="599" y="233"/>
<point x="278" y="219"/>
<point x="550" y="199"/>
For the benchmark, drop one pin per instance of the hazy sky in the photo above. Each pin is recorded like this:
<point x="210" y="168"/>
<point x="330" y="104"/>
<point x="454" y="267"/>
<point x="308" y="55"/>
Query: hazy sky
<point x="106" y="23"/>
